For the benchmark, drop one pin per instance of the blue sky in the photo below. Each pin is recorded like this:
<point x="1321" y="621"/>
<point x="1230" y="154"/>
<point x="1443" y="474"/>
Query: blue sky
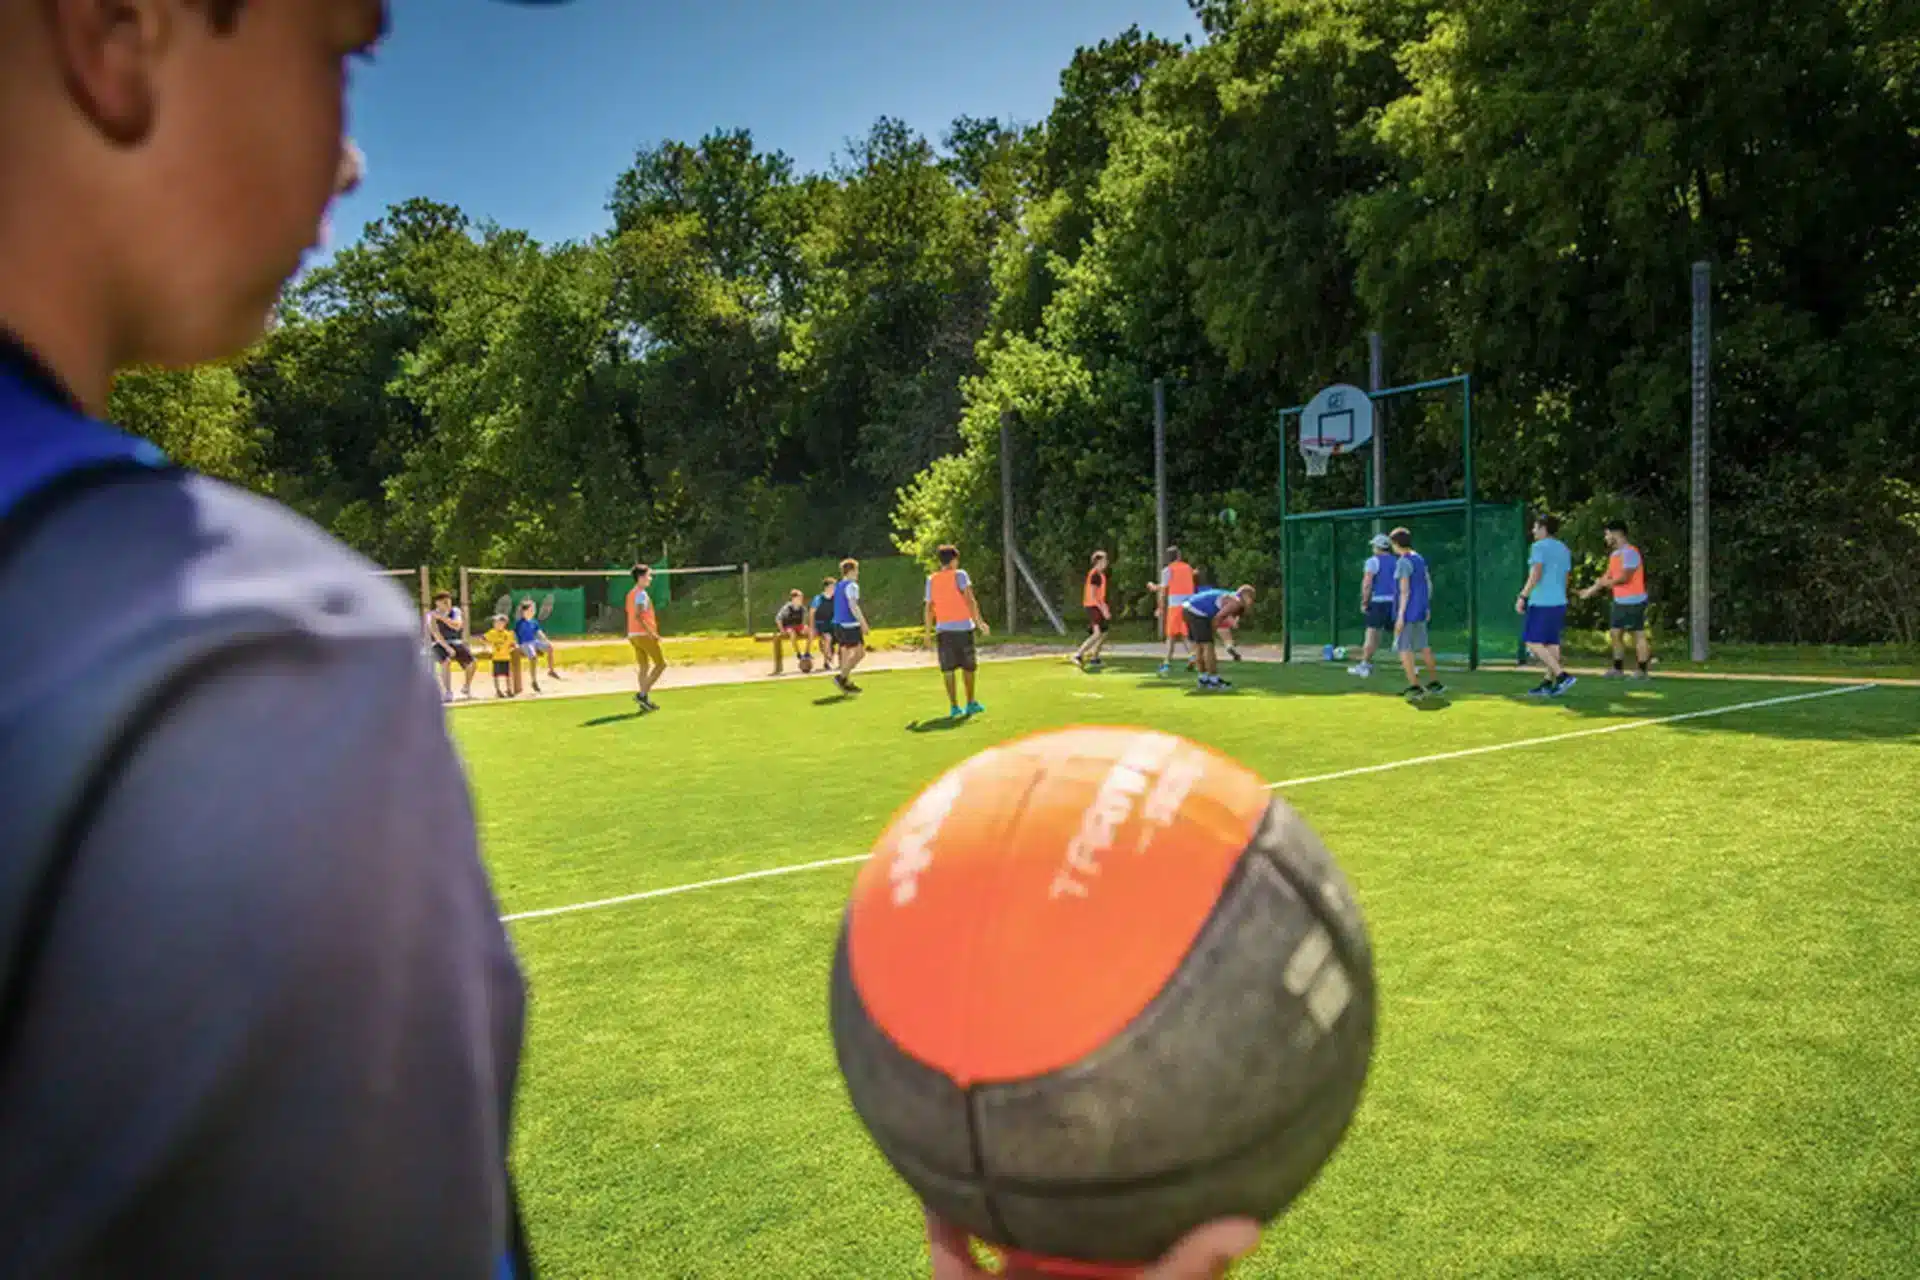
<point x="526" y="115"/>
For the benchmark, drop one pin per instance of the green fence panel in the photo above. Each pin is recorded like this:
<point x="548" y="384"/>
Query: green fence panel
<point x="568" y="616"/>
<point x="1327" y="557"/>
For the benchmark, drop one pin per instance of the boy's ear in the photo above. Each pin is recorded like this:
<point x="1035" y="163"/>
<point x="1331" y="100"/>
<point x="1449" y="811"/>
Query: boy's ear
<point x="106" y="50"/>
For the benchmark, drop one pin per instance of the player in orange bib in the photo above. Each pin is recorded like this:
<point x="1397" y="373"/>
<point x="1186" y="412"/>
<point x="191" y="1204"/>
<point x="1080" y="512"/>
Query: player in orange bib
<point x="953" y="616"/>
<point x="643" y="633"/>
<point x="1627" y="578"/>
<point x="1093" y="598"/>
<point x="1175" y="588"/>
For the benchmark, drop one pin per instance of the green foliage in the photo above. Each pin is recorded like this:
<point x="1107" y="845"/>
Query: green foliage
<point x="201" y="417"/>
<point x="758" y="364"/>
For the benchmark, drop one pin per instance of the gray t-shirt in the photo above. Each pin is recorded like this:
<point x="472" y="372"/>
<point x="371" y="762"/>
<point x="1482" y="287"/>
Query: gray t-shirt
<point x="271" y="1022"/>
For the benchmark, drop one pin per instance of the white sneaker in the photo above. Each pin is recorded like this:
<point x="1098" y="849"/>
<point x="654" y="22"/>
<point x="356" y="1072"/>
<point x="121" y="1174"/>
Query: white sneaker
<point x="1361" y="669"/>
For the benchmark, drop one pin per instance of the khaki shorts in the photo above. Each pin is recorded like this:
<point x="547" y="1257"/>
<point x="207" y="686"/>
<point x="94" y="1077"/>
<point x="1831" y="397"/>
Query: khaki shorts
<point x="648" y="648"/>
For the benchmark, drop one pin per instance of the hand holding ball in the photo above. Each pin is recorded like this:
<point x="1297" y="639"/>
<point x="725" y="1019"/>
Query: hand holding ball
<point x="1097" y="988"/>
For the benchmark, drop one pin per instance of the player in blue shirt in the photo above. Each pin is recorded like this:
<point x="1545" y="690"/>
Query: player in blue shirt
<point x="1379" y="595"/>
<point x="1412" y="610"/>
<point x="261" y="1015"/>
<point x="1205" y="610"/>
<point x="1543" y="603"/>
<point x="849" y="625"/>
<point x="529" y="642"/>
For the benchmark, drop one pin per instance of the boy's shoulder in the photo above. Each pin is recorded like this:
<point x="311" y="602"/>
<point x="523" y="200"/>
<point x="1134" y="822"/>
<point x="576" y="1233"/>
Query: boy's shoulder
<point x="178" y="552"/>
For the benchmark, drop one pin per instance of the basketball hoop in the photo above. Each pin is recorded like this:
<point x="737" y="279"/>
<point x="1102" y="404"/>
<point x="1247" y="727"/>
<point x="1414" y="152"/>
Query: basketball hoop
<point x="1318" y="454"/>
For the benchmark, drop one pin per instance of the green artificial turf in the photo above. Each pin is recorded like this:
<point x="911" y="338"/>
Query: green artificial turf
<point x="1650" y="999"/>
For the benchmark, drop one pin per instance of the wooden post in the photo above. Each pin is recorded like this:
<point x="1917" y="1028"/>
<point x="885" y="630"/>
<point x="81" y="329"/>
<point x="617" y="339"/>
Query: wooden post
<point x="426" y="589"/>
<point x="466" y="606"/>
<point x="746" y="595"/>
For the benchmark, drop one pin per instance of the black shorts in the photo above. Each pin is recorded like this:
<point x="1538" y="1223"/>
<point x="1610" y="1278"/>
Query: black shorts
<point x="503" y="666"/>
<point x="823" y="629"/>
<point x="848" y="637"/>
<point x="956" y="650"/>
<point x="1199" y="629"/>
<point x="1380" y="615"/>
<point x="1096" y="620"/>
<point x="461" y="654"/>
<point x="1628" y="617"/>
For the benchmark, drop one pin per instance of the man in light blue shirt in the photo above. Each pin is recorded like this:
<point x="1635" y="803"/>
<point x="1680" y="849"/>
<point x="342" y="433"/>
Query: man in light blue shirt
<point x="1543" y="603"/>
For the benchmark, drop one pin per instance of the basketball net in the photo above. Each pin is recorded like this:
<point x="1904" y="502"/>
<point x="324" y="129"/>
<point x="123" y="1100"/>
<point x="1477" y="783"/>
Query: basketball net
<point x="1318" y="454"/>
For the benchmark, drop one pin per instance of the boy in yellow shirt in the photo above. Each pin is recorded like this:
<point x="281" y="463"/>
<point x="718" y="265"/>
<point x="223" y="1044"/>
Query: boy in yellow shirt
<point x="500" y="640"/>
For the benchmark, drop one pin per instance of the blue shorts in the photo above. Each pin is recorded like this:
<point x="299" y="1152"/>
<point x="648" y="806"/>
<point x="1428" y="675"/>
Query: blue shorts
<point x="1380" y="615"/>
<point x="1545" y="623"/>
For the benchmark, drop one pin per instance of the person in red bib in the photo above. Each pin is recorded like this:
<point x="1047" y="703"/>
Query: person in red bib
<point x="1627" y="578"/>
<point x="953" y="617"/>
<point x="1093" y="598"/>
<point x="1175" y="588"/>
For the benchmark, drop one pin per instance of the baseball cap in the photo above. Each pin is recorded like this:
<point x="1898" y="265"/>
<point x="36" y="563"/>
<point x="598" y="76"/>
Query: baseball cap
<point x="1381" y="542"/>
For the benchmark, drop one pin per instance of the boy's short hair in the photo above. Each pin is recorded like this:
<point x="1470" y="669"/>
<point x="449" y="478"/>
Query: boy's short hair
<point x="948" y="554"/>
<point x="1614" y="526"/>
<point x="499" y="617"/>
<point x="438" y="596"/>
<point x="796" y="594"/>
<point x="527" y="603"/>
<point x="642" y="570"/>
<point x="848" y="565"/>
<point x="1401" y="537"/>
<point x="1173" y="553"/>
<point x="1550" y="523"/>
<point x="827" y="582"/>
<point x="1245" y="589"/>
<point x="1097" y="556"/>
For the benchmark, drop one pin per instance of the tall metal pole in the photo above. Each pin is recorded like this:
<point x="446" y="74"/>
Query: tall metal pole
<point x="1286" y="553"/>
<point x="1473" y="522"/>
<point x="1159" y="469"/>
<point x="746" y="594"/>
<point x="1006" y="523"/>
<point x="1699" y="597"/>
<point x="1376" y="379"/>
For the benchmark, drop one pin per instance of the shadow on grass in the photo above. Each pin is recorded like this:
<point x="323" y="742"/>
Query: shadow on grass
<point x="1824" y="713"/>
<point x="833" y="699"/>
<point x="942" y="724"/>
<point x="603" y="721"/>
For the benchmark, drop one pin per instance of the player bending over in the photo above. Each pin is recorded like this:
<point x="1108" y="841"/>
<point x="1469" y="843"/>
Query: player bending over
<point x="1205" y="608"/>
<point x="1413" y="610"/>
<point x="643" y="633"/>
<point x="823" y="620"/>
<point x="953" y="615"/>
<point x="790" y="623"/>
<point x="1379" y="597"/>
<point x="1093" y="598"/>
<point x="1543" y="603"/>
<point x="446" y="647"/>
<point x="849" y="625"/>
<point x="1170" y="598"/>
<point x="1627" y="577"/>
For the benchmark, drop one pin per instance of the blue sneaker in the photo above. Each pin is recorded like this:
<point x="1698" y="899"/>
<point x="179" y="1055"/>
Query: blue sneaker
<point x="1566" y="682"/>
<point x="1164" y="669"/>
<point x="975" y="709"/>
<point x="954" y="713"/>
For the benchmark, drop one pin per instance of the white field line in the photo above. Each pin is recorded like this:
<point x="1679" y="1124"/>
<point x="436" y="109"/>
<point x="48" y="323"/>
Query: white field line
<point x="1441" y="757"/>
<point x="1622" y="727"/>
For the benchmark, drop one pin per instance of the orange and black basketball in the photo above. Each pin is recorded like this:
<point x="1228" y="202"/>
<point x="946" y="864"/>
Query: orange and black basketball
<point x="1098" y="987"/>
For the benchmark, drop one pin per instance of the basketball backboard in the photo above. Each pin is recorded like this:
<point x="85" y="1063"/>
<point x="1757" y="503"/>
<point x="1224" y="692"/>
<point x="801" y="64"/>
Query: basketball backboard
<point x="1339" y="417"/>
